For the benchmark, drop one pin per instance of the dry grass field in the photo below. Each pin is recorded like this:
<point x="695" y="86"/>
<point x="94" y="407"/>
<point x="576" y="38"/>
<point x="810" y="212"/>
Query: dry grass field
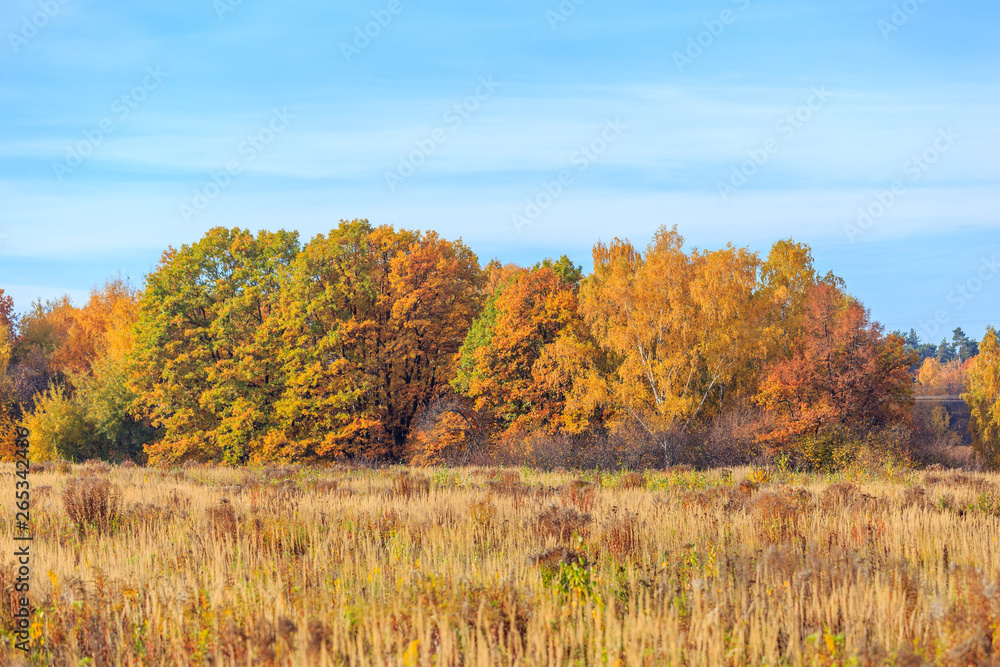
<point x="338" y="566"/>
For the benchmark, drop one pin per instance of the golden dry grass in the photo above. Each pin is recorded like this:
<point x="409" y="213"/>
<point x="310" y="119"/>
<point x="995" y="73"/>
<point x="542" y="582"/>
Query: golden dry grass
<point x="333" y="566"/>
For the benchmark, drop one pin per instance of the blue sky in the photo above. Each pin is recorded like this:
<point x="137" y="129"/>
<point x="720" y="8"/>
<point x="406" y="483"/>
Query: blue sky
<point x="646" y="109"/>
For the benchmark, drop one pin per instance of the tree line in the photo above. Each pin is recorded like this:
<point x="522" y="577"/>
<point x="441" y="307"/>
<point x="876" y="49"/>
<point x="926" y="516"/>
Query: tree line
<point x="395" y="345"/>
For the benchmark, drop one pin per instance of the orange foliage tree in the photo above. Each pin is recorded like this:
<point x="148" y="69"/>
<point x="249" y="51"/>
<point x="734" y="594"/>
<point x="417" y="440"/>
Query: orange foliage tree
<point x="523" y="354"/>
<point x="90" y="414"/>
<point x="843" y="371"/>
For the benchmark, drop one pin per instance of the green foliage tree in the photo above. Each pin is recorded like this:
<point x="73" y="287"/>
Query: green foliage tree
<point x="564" y="268"/>
<point x="965" y="348"/>
<point x="945" y="352"/>
<point x="206" y="368"/>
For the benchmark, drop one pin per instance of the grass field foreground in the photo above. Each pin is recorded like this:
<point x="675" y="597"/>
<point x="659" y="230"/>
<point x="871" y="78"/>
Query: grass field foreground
<point x="398" y="566"/>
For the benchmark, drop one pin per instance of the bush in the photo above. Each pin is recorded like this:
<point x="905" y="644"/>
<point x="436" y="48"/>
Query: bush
<point x="60" y="428"/>
<point x="732" y="437"/>
<point x="620" y="537"/>
<point x="407" y="485"/>
<point x="561" y="522"/>
<point x="836" y="447"/>
<point x="632" y="480"/>
<point x="78" y="427"/>
<point x="579" y="494"/>
<point x="223" y="519"/>
<point x="92" y="503"/>
<point x="626" y="448"/>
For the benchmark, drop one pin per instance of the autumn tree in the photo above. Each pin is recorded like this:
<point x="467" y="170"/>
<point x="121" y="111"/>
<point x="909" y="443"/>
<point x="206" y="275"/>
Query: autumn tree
<point x="844" y="371"/>
<point x="983" y="399"/>
<point x="940" y="379"/>
<point x="90" y="330"/>
<point x="90" y="414"/>
<point x="8" y="320"/>
<point x="447" y="431"/>
<point x="38" y="356"/>
<point x="522" y="356"/>
<point x="786" y="277"/>
<point x="66" y="375"/>
<point x="372" y="320"/>
<point x="682" y="330"/>
<point x="7" y="421"/>
<point x="7" y="324"/>
<point x="206" y="369"/>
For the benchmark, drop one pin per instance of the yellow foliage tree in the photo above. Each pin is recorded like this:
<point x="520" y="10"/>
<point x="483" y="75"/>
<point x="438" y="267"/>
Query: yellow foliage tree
<point x="684" y="328"/>
<point x="983" y="398"/>
<point x="940" y="379"/>
<point x="204" y="366"/>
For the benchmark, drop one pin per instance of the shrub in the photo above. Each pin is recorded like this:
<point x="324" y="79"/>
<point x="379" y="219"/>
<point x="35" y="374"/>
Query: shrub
<point x="579" y="494"/>
<point x="92" y="503"/>
<point x="482" y="513"/>
<point x="96" y="467"/>
<point x="777" y="514"/>
<point x="620" y="537"/>
<point x="223" y="519"/>
<point x="632" y="480"/>
<point x="838" y="495"/>
<point x="407" y="485"/>
<point x="836" y="448"/>
<point x="561" y="522"/>
<point x="565" y="570"/>
<point x="60" y="427"/>
<point x="915" y="496"/>
<point x="732" y="437"/>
